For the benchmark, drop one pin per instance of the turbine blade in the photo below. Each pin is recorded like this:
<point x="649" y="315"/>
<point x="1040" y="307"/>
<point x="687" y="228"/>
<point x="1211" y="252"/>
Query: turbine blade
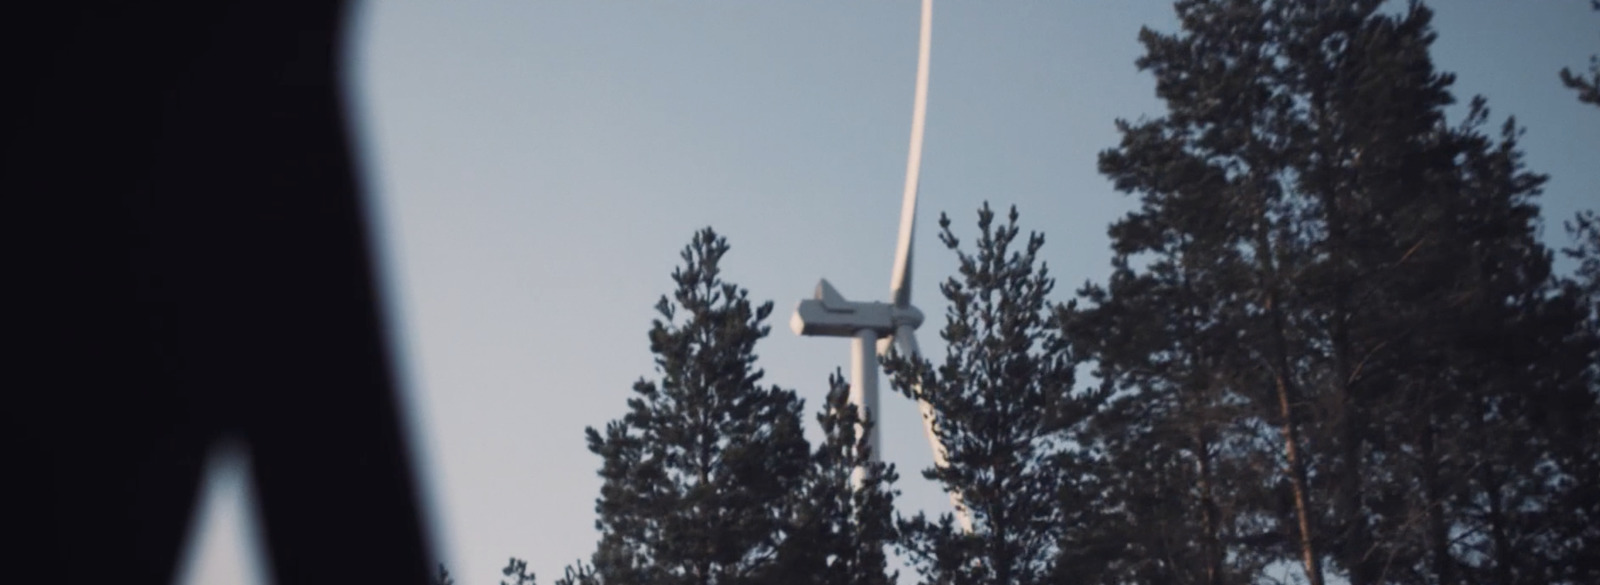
<point x="963" y="516"/>
<point x="900" y="281"/>
<point x="905" y="341"/>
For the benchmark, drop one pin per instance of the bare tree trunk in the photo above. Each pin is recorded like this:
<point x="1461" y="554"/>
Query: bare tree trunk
<point x="1297" y="482"/>
<point x="1309" y="557"/>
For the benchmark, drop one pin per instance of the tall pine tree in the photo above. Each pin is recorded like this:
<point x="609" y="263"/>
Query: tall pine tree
<point x="1361" y="323"/>
<point x="844" y="528"/>
<point x="1005" y="411"/>
<point x="700" y="476"/>
<point x="1182" y="455"/>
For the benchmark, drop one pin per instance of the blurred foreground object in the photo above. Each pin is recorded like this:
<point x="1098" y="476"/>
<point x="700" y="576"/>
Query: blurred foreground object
<point x="194" y="265"/>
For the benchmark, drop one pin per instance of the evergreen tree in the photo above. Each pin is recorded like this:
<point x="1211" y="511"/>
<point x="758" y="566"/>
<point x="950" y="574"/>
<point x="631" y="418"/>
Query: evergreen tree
<point x="1360" y="324"/>
<point x="1584" y="231"/>
<point x="1574" y="535"/>
<point x="1581" y="528"/>
<point x="844" y="528"/>
<point x="1181" y="457"/>
<point x="700" y="475"/>
<point x="1005" y="411"/>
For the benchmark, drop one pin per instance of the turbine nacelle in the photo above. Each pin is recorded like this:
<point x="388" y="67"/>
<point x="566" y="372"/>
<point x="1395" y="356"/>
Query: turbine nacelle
<point x="878" y="328"/>
<point x="828" y="314"/>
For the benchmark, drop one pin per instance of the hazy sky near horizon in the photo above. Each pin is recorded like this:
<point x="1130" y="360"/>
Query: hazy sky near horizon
<point x="535" y="168"/>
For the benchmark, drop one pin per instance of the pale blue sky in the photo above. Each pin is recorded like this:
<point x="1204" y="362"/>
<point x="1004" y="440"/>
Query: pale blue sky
<point x="536" y="166"/>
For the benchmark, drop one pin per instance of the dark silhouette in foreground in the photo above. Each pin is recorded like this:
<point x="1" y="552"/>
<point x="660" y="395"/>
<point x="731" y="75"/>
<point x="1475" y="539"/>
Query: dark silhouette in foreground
<point x="192" y="260"/>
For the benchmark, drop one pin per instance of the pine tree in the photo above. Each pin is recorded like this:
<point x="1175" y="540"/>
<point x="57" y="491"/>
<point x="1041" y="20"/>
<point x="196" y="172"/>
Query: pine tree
<point x="844" y="528"/>
<point x="700" y="475"/>
<point x="1361" y="320"/>
<point x="1006" y="413"/>
<point x="1579" y="527"/>
<point x="1180" y="451"/>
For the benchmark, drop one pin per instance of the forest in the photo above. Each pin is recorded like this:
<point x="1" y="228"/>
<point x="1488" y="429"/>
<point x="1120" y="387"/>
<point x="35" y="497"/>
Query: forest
<point x="1332" y="348"/>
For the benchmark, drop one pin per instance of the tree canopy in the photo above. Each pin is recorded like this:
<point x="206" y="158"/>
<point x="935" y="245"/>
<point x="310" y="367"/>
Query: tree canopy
<point x="1333" y="333"/>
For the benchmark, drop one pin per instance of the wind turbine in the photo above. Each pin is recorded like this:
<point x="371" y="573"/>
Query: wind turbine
<point x="872" y="326"/>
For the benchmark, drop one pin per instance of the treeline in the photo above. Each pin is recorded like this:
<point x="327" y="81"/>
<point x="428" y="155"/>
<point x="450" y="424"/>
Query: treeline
<point x="1332" y="349"/>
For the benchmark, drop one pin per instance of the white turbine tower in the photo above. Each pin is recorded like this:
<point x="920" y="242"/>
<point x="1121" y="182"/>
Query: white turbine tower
<point x="866" y="323"/>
